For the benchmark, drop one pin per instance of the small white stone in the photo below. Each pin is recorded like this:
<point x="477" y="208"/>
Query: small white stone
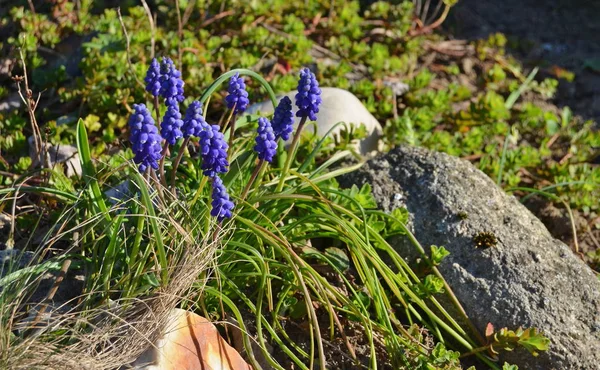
<point x="338" y="106"/>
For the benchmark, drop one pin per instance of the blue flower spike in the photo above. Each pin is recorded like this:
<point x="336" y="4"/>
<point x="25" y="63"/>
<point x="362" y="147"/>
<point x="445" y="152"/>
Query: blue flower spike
<point x="308" y="98"/>
<point x="171" y="84"/>
<point x="213" y="151"/>
<point x="266" y="146"/>
<point x="221" y="204"/>
<point x="152" y="78"/>
<point x="238" y="96"/>
<point x="283" y="119"/>
<point x="194" y="123"/>
<point x="170" y="127"/>
<point x="145" y="140"/>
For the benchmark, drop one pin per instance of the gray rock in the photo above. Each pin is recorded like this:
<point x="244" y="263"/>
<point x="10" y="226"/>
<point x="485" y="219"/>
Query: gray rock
<point x="119" y="193"/>
<point x="12" y="102"/>
<point x="14" y="259"/>
<point x="527" y="279"/>
<point x="5" y="67"/>
<point x="66" y="154"/>
<point x="399" y="88"/>
<point x="338" y="106"/>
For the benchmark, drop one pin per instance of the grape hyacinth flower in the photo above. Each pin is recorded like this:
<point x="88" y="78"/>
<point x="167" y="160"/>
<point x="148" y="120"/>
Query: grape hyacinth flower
<point x="171" y="84"/>
<point x="170" y="127"/>
<point x="308" y="97"/>
<point x="213" y="151"/>
<point x="152" y="78"/>
<point x="266" y="146"/>
<point x="194" y="122"/>
<point x="144" y="138"/>
<point x="221" y="205"/>
<point x="283" y="119"/>
<point x="238" y="96"/>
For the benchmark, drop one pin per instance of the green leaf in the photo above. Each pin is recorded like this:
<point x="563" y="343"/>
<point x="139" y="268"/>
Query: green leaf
<point x="438" y="254"/>
<point x="60" y="181"/>
<point x="566" y="116"/>
<point x="40" y="189"/>
<point x="298" y="310"/>
<point x="156" y="230"/>
<point x="225" y="76"/>
<point x="89" y="172"/>
<point x="534" y="341"/>
<point x="514" y="96"/>
<point x="92" y="123"/>
<point x="592" y="64"/>
<point x="433" y="284"/>
<point x="396" y="225"/>
<point x="150" y="279"/>
<point x="35" y="270"/>
<point x="338" y="258"/>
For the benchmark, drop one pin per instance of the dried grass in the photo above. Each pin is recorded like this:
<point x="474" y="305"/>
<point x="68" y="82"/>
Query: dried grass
<point x="114" y="335"/>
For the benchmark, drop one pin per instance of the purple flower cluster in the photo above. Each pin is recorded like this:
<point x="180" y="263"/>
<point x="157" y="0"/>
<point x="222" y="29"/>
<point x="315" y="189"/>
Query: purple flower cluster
<point x="144" y="138"/>
<point x="238" y="96"/>
<point x="194" y="123"/>
<point x="170" y="127"/>
<point x="171" y="88"/>
<point x="171" y="84"/>
<point x="213" y="151"/>
<point x="308" y="97"/>
<point x="153" y="78"/>
<point x="266" y="146"/>
<point x="283" y="119"/>
<point x="221" y="205"/>
<point x="163" y="79"/>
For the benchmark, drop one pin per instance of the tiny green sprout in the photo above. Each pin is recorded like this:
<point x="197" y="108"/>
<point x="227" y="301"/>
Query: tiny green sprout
<point x="463" y="215"/>
<point x="485" y="239"/>
<point x="438" y="254"/>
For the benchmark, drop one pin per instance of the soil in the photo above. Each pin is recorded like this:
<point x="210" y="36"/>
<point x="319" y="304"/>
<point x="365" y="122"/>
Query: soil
<point x="339" y="349"/>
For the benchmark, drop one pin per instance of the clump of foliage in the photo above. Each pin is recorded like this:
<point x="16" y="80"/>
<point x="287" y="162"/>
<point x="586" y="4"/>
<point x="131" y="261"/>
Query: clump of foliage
<point x="268" y="266"/>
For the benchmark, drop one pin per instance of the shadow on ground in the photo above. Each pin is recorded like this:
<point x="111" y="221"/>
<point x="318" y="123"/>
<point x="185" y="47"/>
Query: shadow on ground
<point x="545" y="33"/>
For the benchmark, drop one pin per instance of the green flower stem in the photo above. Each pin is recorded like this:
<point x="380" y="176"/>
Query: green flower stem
<point x="177" y="160"/>
<point x="257" y="169"/>
<point x="203" y="182"/>
<point x="156" y="230"/>
<point x="291" y="154"/>
<point x="475" y="351"/>
<point x="157" y="110"/>
<point x="231" y="122"/>
<point x="161" y="167"/>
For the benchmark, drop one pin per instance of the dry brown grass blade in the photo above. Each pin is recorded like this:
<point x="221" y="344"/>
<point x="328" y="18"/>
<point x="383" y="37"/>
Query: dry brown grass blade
<point x="117" y="333"/>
